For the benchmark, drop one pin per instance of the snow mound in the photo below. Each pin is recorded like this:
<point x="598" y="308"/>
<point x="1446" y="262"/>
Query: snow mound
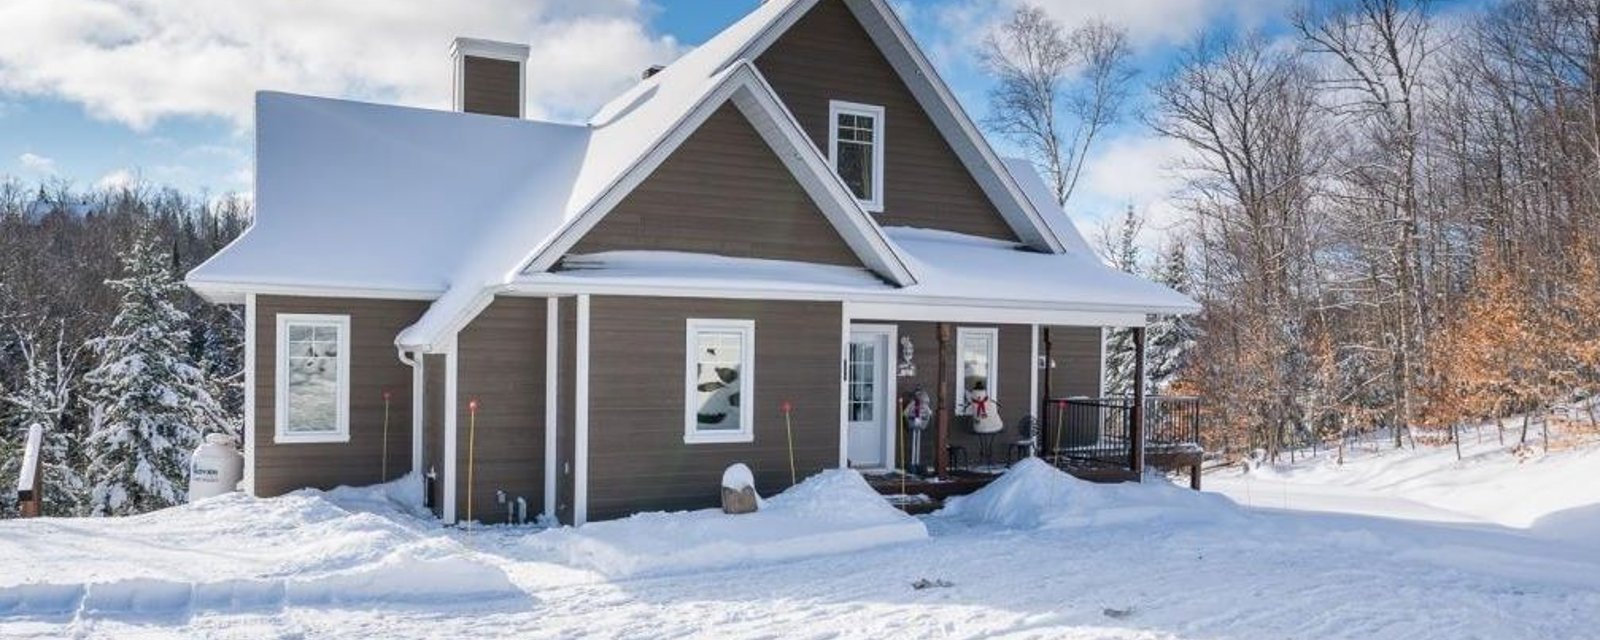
<point x="833" y="512"/>
<point x="1032" y="494"/>
<point x="236" y="553"/>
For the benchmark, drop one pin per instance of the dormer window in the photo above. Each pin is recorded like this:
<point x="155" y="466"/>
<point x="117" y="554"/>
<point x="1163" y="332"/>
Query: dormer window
<point x="855" y="147"/>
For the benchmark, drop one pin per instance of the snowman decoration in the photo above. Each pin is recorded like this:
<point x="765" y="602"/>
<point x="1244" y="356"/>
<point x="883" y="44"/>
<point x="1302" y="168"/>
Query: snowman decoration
<point x="983" y="409"/>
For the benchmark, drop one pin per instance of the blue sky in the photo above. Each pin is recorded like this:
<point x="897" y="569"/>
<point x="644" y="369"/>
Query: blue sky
<point x="92" y="91"/>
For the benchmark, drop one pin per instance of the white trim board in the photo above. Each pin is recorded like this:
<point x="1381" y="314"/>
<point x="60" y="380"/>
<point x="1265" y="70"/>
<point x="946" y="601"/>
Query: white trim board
<point x="580" y="418"/>
<point x="552" y="399"/>
<point x="544" y="285"/>
<point x="992" y="315"/>
<point x="248" y="433"/>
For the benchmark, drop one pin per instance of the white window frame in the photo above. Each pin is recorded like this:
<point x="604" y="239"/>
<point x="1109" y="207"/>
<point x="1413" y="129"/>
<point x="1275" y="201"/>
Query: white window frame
<point x="993" y="387"/>
<point x="747" y="375"/>
<point x="280" y="418"/>
<point x="836" y="108"/>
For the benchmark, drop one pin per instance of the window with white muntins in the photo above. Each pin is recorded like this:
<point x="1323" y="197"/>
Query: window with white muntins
<point x="313" y="381"/>
<point x="855" y="147"/>
<point x="977" y="356"/>
<point x="719" y="378"/>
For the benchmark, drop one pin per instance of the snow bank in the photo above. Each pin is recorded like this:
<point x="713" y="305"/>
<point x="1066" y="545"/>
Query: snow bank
<point x="835" y="511"/>
<point x="1033" y="494"/>
<point x="237" y="553"/>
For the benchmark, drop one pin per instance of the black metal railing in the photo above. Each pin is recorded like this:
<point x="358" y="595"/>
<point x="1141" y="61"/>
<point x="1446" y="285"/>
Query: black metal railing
<point x="1098" y="430"/>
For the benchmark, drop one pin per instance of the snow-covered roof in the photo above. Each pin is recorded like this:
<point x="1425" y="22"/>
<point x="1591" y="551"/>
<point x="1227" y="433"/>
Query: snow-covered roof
<point x="365" y="199"/>
<point x="962" y="267"/>
<point x="358" y="199"/>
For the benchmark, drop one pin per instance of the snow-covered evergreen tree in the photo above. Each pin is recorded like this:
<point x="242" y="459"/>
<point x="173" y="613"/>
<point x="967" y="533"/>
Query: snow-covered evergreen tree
<point x="149" y="401"/>
<point x="1120" y="247"/>
<point x="1170" y="338"/>
<point x="43" y="399"/>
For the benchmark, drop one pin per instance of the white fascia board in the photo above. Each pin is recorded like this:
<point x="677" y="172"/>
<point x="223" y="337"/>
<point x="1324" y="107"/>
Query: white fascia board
<point x="235" y="292"/>
<point x="1126" y="316"/>
<point x="758" y="102"/>
<point x="912" y="312"/>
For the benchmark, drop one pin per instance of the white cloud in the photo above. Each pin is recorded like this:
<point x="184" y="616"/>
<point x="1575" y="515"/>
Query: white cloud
<point x="119" y="179"/>
<point x="1137" y="170"/>
<point x="37" y="163"/>
<point x="138" y="61"/>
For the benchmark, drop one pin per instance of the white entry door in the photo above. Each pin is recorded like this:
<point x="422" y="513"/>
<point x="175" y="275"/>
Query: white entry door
<point x="869" y="397"/>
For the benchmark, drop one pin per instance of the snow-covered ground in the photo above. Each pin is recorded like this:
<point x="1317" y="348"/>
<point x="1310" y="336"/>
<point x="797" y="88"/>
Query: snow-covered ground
<point x="1036" y="555"/>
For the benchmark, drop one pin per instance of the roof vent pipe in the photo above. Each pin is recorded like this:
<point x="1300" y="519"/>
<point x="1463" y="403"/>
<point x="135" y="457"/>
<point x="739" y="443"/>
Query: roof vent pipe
<point x="488" y="77"/>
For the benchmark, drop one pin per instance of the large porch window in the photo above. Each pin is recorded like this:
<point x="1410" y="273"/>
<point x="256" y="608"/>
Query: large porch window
<point x="719" y="373"/>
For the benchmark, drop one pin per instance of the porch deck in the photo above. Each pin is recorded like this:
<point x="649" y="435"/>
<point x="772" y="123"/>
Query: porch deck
<point x="1089" y="438"/>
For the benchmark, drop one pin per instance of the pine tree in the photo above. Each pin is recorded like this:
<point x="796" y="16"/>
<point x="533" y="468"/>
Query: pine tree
<point x="43" y="399"/>
<point x="149" y="402"/>
<point x="1121" y="249"/>
<point x="1172" y="337"/>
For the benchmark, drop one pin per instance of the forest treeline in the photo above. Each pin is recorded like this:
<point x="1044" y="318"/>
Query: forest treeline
<point x="1391" y="216"/>
<point x="102" y="345"/>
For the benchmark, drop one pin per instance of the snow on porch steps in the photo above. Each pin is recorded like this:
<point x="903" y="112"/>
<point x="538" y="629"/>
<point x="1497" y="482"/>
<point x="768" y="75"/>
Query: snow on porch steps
<point x="832" y="512"/>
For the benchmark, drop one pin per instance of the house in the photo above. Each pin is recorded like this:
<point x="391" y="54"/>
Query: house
<point x="750" y="256"/>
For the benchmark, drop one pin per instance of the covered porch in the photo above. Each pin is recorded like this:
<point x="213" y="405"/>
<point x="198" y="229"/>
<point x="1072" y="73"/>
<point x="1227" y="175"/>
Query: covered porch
<point x="1043" y="380"/>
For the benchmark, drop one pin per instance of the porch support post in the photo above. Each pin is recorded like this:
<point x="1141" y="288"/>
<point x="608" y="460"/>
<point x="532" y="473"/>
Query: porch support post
<point x="941" y="453"/>
<point x="1136" y="429"/>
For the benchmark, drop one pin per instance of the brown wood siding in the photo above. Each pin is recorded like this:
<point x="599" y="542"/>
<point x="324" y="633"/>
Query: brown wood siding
<point x="826" y="56"/>
<point x="491" y="86"/>
<point x="433" y="375"/>
<point x="638" y="459"/>
<point x="565" y="435"/>
<point x="722" y="192"/>
<point x="1016" y="350"/>
<point x="1076" y="353"/>
<point x="374" y="369"/>
<point x="500" y="356"/>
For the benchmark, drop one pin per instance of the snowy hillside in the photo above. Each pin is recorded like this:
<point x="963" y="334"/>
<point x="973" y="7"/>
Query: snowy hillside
<point x="1036" y="555"/>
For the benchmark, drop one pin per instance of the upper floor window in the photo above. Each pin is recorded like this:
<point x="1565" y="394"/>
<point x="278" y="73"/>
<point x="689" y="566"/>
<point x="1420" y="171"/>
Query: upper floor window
<point x="855" y="146"/>
<point x="313" y="386"/>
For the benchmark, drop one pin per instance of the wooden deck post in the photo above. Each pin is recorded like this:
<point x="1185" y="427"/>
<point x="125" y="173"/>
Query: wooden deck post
<point x="1045" y="350"/>
<point x="1136" y="419"/>
<point x="941" y="452"/>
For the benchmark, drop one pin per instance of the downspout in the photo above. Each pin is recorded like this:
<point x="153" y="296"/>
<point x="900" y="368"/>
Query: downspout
<point x="410" y="359"/>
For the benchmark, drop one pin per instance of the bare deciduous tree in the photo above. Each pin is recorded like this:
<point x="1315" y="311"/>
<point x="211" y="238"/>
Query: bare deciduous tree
<point x="1056" y="91"/>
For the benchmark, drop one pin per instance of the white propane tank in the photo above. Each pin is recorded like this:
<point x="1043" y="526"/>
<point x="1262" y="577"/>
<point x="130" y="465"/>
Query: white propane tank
<point x="216" y="467"/>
